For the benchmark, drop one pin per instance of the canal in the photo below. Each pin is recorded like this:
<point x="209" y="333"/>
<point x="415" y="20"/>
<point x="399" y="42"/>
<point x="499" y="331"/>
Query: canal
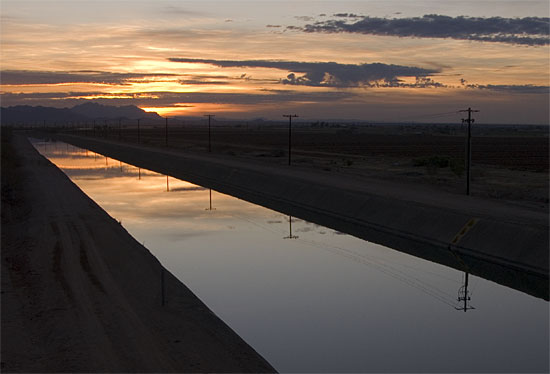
<point x="309" y="298"/>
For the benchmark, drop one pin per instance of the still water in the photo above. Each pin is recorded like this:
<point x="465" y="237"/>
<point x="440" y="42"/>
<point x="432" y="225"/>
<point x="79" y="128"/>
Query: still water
<point x="308" y="298"/>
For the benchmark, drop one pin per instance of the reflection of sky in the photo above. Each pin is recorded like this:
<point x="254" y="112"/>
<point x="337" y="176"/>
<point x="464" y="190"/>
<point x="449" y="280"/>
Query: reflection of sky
<point x="323" y="302"/>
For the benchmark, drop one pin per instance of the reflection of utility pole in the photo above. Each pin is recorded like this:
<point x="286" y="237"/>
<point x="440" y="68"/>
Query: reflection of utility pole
<point x="290" y="236"/>
<point x="167" y="185"/>
<point x="463" y="295"/>
<point x="470" y="120"/>
<point x="210" y="208"/>
<point x="290" y="116"/>
<point x="139" y="173"/>
<point x="209" y="138"/>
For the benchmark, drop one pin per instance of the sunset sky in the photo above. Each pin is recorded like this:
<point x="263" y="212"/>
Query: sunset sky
<point x="368" y="60"/>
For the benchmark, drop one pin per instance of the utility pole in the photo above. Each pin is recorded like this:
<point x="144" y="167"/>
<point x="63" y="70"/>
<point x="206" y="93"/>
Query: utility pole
<point x="470" y="120"/>
<point x="290" y="116"/>
<point x="209" y="138"/>
<point x="138" y="129"/>
<point x="119" y="129"/>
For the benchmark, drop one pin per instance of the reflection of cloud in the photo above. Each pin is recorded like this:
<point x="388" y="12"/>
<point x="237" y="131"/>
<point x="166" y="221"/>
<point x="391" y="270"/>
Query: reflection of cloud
<point x="192" y="188"/>
<point x="22" y="77"/>
<point x="527" y="31"/>
<point x="329" y="74"/>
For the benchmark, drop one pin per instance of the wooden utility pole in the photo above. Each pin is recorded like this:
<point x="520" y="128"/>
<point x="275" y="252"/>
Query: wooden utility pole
<point x="470" y="120"/>
<point x="290" y="116"/>
<point x="209" y="138"/>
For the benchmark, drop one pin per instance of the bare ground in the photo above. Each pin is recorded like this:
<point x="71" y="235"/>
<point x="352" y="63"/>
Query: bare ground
<point x="79" y="294"/>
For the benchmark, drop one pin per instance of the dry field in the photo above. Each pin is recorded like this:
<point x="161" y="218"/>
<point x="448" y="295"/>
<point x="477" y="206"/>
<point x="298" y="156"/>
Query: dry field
<point x="509" y="163"/>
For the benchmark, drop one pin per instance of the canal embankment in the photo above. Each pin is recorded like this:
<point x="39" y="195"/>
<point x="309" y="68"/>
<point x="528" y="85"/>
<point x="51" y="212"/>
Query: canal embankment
<point x="494" y="239"/>
<point x="79" y="294"/>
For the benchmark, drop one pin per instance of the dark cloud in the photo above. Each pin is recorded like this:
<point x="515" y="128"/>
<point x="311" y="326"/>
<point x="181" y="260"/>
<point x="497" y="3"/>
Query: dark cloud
<point x="327" y="74"/>
<point x="273" y="26"/>
<point x="347" y="15"/>
<point x="23" y="77"/>
<point x="532" y="31"/>
<point x="167" y="99"/>
<point x="524" y="89"/>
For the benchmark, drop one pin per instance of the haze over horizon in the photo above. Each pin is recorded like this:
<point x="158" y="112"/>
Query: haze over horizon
<point x="369" y="60"/>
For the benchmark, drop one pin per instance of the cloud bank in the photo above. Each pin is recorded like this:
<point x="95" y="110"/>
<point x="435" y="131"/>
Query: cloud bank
<point x="31" y="77"/>
<point x="531" y="31"/>
<point x="325" y="74"/>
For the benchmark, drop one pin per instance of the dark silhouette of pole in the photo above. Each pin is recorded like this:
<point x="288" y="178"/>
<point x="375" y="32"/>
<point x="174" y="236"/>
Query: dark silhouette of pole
<point x="290" y="116"/>
<point x="166" y="133"/>
<point x="119" y="129"/>
<point x="470" y="120"/>
<point x="138" y="130"/>
<point x="209" y="137"/>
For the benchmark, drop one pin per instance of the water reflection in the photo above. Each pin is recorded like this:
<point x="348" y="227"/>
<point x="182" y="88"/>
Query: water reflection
<point x="464" y="295"/>
<point x="322" y="302"/>
<point x="290" y="236"/>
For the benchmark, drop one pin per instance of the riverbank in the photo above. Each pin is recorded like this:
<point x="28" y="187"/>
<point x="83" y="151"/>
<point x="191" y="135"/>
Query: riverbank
<point x="79" y="294"/>
<point x="495" y="239"/>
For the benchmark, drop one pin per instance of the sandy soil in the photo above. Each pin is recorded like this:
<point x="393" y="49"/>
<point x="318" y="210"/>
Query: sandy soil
<point x="79" y="294"/>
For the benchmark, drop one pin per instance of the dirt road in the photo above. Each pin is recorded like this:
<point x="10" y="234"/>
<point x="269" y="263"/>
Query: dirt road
<point x="79" y="294"/>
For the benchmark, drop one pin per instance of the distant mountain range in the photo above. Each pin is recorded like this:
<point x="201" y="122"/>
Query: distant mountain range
<point x="82" y="112"/>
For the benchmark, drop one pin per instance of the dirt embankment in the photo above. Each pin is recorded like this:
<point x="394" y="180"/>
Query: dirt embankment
<point x="79" y="294"/>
